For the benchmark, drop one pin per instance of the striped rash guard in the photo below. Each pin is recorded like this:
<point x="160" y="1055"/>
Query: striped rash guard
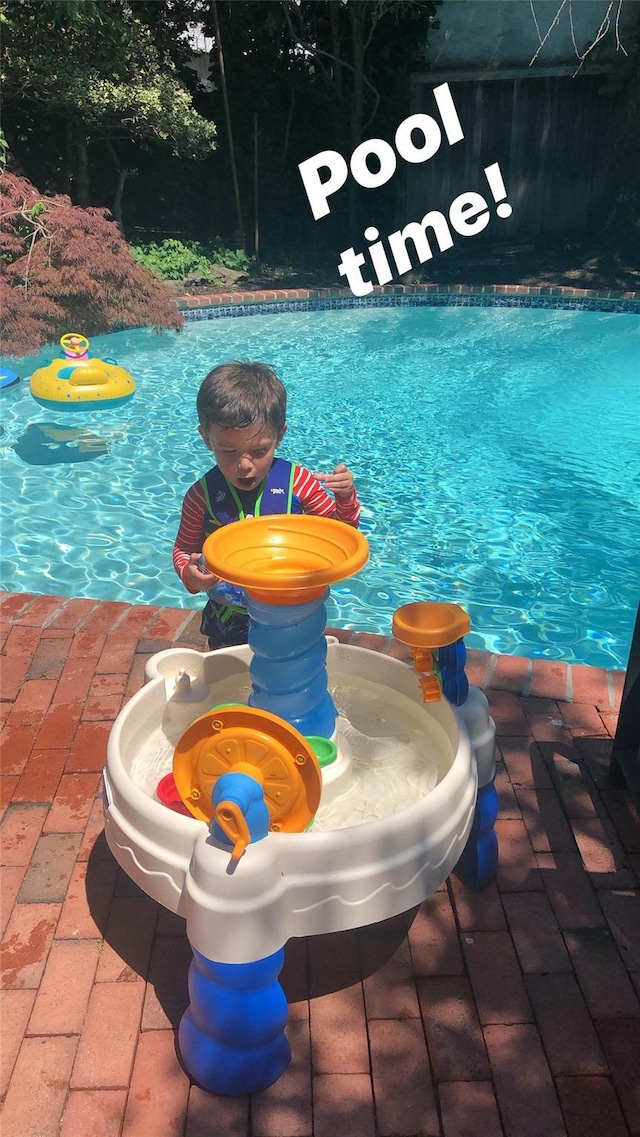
<point x="212" y="502"/>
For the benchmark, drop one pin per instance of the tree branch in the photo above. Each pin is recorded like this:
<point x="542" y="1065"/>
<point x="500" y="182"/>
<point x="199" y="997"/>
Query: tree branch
<point x="549" y="30"/>
<point x="600" y="34"/>
<point x="318" y="51"/>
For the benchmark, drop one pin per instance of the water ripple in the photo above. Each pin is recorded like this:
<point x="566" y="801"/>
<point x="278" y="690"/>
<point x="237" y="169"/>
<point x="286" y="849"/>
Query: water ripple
<point x="495" y="451"/>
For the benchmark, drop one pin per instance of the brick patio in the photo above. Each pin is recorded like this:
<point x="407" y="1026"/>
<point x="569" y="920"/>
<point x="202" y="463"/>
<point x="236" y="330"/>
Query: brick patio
<point x="513" y="1011"/>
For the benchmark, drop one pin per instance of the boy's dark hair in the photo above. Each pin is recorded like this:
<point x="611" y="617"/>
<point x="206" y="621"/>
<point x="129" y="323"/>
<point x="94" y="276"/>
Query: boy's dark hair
<point x="242" y="394"/>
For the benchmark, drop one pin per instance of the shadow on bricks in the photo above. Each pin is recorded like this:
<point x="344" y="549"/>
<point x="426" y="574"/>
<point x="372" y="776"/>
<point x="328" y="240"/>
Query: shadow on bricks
<point x="571" y="775"/>
<point x="595" y="753"/>
<point x="324" y="964"/>
<point x="142" y="939"/>
<point x="140" y="936"/>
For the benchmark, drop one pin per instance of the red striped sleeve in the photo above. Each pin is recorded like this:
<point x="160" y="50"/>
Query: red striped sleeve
<point x="191" y="532"/>
<point x="313" y="498"/>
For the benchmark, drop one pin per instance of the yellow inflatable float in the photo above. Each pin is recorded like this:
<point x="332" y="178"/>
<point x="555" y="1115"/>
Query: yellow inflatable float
<point x="77" y="382"/>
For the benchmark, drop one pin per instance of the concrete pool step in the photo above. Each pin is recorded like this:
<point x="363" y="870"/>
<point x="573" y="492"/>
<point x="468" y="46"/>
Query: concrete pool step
<point x="513" y="1011"/>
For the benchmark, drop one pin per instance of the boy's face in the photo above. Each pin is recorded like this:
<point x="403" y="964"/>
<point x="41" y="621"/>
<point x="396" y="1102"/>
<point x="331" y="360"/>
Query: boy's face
<point x="243" y="454"/>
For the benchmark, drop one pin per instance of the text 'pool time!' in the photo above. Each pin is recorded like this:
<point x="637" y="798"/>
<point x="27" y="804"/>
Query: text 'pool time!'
<point x="417" y="139"/>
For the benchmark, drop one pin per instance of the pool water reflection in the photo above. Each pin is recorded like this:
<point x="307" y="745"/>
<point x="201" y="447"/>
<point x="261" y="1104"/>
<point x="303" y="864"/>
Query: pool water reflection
<point x="495" y="452"/>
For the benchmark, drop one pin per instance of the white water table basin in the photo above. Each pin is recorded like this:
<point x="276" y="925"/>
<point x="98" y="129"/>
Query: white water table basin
<point x="296" y="884"/>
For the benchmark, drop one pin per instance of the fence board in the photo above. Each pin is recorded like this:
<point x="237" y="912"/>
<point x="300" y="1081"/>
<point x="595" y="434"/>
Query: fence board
<point x="553" y="138"/>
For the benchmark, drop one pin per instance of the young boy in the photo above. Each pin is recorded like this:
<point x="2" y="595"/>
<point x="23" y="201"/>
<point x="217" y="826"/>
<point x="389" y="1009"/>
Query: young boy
<point x="242" y="414"/>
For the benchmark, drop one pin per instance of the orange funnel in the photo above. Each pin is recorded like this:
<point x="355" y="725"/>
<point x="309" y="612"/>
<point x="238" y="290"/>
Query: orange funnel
<point x="430" y="624"/>
<point x="287" y="558"/>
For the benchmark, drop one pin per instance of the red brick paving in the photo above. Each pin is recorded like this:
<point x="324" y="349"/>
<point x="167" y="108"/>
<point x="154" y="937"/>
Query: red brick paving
<point x="514" y="1012"/>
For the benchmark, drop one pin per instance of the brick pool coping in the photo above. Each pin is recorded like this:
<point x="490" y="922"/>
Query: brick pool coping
<point x="213" y="299"/>
<point x="158" y="628"/>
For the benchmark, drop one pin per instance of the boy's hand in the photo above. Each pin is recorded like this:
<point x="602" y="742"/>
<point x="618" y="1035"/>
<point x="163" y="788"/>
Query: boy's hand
<point x="340" y="482"/>
<point x="197" y="578"/>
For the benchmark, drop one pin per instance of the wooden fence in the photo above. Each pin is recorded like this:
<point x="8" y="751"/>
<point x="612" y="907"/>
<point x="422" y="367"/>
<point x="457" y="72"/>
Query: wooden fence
<point x="552" y="135"/>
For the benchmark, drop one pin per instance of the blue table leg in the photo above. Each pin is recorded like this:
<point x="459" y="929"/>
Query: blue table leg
<point x="479" y="861"/>
<point x="231" y="1036"/>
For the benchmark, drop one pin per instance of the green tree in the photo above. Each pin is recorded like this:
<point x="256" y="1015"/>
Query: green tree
<point x="359" y="49"/>
<point x="95" y="67"/>
<point x="317" y="74"/>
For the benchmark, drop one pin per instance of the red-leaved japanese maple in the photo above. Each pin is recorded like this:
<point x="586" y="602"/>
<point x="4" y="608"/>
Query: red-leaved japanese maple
<point x="65" y="268"/>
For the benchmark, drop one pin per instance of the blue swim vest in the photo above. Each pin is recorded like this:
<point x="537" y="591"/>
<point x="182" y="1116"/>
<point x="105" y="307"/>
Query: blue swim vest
<point x="224" y="505"/>
<point x="274" y="495"/>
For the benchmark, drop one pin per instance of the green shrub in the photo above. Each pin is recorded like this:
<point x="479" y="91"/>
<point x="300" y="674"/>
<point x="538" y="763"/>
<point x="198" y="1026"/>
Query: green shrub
<point x="229" y="258"/>
<point x="172" y="259"/>
<point x="175" y="260"/>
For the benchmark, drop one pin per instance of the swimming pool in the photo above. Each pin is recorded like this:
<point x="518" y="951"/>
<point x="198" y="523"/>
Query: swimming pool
<point x="496" y="453"/>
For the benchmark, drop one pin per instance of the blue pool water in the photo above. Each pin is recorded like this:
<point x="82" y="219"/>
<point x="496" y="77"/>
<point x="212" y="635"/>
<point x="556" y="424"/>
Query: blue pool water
<point x="496" y="453"/>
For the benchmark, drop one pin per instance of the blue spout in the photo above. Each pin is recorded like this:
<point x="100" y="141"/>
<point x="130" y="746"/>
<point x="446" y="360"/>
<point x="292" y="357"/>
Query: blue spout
<point x="244" y="792"/>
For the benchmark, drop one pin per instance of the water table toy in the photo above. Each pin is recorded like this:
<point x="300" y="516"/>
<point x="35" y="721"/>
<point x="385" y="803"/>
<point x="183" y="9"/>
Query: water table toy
<point x="208" y="801"/>
<point x="79" y="381"/>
